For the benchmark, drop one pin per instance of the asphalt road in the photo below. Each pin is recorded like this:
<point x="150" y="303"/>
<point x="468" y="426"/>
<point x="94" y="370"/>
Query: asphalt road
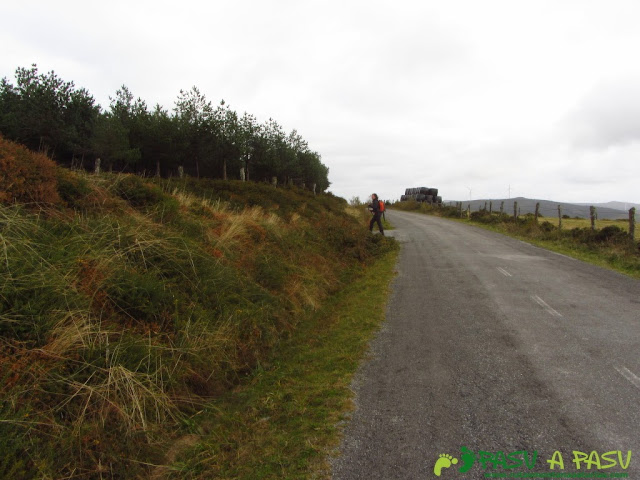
<point x="498" y="346"/>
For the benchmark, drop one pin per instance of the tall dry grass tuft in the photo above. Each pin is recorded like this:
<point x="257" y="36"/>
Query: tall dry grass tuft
<point x="303" y="294"/>
<point x="117" y="394"/>
<point x="236" y="226"/>
<point x="231" y="232"/>
<point x="75" y="332"/>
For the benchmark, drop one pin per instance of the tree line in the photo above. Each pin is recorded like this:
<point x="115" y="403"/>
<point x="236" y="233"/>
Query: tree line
<point x="201" y="139"/>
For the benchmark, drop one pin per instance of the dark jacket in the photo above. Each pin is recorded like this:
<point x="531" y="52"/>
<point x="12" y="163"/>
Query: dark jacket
<point x="374" y="206"/>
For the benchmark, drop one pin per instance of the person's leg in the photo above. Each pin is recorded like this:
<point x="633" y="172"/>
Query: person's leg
<point x="379" y="224"/>
<point x="373" y="219"/>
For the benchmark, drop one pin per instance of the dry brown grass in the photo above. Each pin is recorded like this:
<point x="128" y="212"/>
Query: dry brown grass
<point x="25" y="176"/>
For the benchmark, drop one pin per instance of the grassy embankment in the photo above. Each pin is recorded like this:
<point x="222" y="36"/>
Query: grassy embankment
<point x="608" y="246"/>
<point x="195" y="329"/>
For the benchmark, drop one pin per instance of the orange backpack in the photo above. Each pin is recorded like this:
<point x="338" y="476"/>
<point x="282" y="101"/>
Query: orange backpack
<point x="381" y="204"/>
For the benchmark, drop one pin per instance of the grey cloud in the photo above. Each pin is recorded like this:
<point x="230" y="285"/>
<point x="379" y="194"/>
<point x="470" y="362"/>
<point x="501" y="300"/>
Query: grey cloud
<point x="608" y="116"/>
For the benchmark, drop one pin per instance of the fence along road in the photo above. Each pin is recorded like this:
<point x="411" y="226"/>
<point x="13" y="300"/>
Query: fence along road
<point x="496" y="345"/>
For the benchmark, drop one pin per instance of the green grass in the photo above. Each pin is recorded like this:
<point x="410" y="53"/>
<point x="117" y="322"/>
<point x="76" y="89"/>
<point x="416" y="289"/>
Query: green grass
<point x="386" y="225"/>
<point x="285" y="420"/>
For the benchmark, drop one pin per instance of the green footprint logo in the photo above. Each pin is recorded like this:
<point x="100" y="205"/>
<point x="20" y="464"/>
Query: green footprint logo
<point x="444" y="461"/>
<point x="468" y="459"/>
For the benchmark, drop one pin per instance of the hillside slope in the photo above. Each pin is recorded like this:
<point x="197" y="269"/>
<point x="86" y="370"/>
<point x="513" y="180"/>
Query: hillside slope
<point x="624" y="206"/>
<point x="127" y="303"/>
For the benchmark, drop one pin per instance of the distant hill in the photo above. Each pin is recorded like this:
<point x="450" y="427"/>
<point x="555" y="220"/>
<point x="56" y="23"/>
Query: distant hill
<point x="549" y="208"/>
<point x="625" y="206"/>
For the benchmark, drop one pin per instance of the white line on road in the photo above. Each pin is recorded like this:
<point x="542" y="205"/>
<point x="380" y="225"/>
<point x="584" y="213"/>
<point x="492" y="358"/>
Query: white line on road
<point x="504" y="272"/>
<point x="629" y="375"/>
<point x="544" y="305"/>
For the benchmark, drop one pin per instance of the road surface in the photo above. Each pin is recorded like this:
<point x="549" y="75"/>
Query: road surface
<point x="497" y="346"/>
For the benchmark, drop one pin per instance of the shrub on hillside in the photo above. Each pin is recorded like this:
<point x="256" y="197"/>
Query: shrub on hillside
<point x="612" y="234"/>
<point x="143" y="194"/>
<point x="137" y="192"/>
<point x="72" y="188"/>
<point x="483" y="216"/>
<point x="25" y="176"/>
<point x="547" y="227"/>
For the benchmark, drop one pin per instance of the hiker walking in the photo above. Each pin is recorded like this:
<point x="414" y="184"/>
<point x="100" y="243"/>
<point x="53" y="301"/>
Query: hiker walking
<point x="374" y="208"/>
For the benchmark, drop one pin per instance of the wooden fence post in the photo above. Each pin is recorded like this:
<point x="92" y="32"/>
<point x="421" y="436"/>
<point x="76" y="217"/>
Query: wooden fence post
<point x="632" y="223"/>
<point x="180" y="171"/>
<point x="515" y="211"/>
<point x="592" y="214"/>
<point x="559" y="217"/>
<point x="537" y="211"/>
<point x="490" y="207"/>
<point x="501" y="207"/>
<point x="96" y="168"/>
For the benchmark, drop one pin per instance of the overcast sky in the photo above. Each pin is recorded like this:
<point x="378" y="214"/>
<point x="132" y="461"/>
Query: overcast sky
<point x="477" y="98"/>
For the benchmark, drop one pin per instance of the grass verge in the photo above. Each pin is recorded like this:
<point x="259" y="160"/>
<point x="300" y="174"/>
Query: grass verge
<point x="285" y="421"/>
